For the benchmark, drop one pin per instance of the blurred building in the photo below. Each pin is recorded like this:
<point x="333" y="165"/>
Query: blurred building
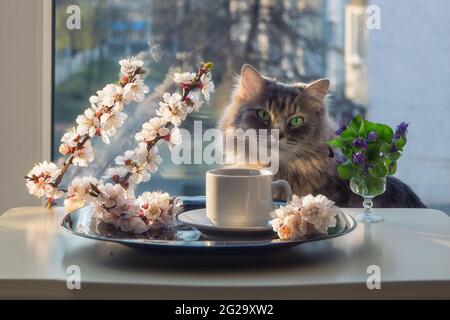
<point x="408" y="76"/>
<point x="129" y="28"/>
<point x="345" y="66"/>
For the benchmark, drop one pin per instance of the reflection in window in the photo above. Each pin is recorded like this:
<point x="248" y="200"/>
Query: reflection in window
<point x="284" y="39"/>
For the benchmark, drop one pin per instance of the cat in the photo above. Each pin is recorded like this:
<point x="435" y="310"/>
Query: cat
<point x="298" y="110"/>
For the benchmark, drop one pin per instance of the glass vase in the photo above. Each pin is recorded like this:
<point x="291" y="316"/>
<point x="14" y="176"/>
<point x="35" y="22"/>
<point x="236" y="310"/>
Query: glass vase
<point x="368" y="187"/>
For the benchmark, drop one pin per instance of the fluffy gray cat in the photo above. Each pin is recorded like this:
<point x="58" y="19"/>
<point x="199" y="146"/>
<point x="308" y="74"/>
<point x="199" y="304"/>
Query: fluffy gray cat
<point x="298" y="111"/>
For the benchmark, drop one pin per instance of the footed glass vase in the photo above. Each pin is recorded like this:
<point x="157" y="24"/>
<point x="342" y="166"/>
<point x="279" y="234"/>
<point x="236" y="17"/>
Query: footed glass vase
<point x="368" y="187"/>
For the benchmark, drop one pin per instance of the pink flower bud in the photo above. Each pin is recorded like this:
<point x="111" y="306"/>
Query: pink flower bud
<point x="64" y="149"/>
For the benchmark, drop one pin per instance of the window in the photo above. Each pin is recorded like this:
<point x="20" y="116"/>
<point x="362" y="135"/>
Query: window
<point x="356" y="33"/>
<point x="173" y="34"/>
<point x="375" y="72"/>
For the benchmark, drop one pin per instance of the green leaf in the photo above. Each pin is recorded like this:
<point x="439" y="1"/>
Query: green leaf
<point x="386" y="148"/>
<point x="392" y="168"/>
<point x="375" y="185"/>
<point x="356" y="122"/>
<point x="368" y="126"/>
<point x="347" y="170"/>
<point x="336" y="142"/>
<point x="349" y="133"/>
<point x="355" y="125"/>
<point x="400" y="143"/>
<point x="384" y="132"/>
<point x="379" y="170"/>
<point x="347" y="141"/>
<point x="373" y="154"/>
<point x="394" y="156"/>
<point x="361" y="131"/>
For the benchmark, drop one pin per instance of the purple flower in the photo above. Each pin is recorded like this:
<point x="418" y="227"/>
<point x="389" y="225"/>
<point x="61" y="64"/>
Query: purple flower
<point x="342" y="128"/>
<point x="401" y="130"/>
<point x="360" y="143"/>
<point x="359" y="158"/>
<point x="372" y="136"/>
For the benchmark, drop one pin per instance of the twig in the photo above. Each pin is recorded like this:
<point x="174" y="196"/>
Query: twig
<point x="150" y="144"/>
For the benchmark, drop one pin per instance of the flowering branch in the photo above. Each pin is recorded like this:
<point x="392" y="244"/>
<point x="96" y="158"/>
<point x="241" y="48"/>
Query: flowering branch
<point x="103" y="119"/>
<point x="135" y="166"/>
<point x="115" y="203"/>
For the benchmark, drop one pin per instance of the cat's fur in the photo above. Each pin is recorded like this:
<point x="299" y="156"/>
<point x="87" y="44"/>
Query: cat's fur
<point x="305" y="160"/>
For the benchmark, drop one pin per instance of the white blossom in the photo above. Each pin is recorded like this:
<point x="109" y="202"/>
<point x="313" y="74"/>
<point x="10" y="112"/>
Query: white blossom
<point x="113" y="98"/>
<point x="184" y="78"/>
<point x="148" y="157"/>
<point x="196" y="100"/>
<point x="70" y="143"/>
<point x="53" y="194"/>
<point x="115" y="173"/>
<point x="207" y="85"/>
<point x="136" y="90"/>
<point x="64" y="149"/>
<point x="81" y="187"/>
<point x="151" y="129"/>
<point x="288" y="222"/>
<point x="70" y="138"/>
<point x="83" y="155"/>
<point x="79" y="192"/>
<point x="140" y="174"/>
<point x="133" y="224"/>
<point x="128" y="160"/>
<point x="105" y="216"/>
<point x="113" y="206"/>
<point x="293" y="227"/>
<point x="113" y="198"/>
<point x="109" y="123"/>
<point x="174" y="138"/>
<point x="129" y="65"/>
<point x="97" y="99"/>
<point x="320" y="212"/>
<point x="157" y="207"/>
<point x="140" y="163"/>
<point x="137" y="170"/>
<point x="88" y="123"/>
<point x="40" y="179"/>
<point x="172" y="110"/>
<point x="305" y="216"/>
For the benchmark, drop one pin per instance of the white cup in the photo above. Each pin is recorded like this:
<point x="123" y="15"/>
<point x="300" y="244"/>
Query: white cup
<point x="241" y="197"/>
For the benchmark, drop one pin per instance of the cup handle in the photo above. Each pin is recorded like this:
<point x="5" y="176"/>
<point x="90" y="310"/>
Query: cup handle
<point x="285" y="185"/>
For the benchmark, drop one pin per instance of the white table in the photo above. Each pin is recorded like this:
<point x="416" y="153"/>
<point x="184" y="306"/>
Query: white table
<point x="411" y="247"/>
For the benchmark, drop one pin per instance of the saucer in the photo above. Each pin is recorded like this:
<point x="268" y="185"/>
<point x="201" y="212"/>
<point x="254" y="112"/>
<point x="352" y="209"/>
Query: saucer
<point x="198" y="219"/>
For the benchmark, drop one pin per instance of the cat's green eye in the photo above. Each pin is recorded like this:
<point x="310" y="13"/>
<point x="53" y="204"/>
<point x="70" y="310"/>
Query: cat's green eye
<point x="296" y="122"/>
<point x="263" y="115"/>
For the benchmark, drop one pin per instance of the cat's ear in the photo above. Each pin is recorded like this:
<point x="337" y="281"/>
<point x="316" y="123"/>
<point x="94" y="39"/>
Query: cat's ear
<point x="318" y="88"/>
<point x="250" y="82"/>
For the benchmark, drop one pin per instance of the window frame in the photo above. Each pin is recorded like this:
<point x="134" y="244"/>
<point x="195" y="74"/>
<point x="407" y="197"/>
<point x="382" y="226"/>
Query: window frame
<point x="27" y="93"/>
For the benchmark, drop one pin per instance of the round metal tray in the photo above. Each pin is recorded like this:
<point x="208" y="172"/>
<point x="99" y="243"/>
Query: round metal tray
<point x="82" y="222"/>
